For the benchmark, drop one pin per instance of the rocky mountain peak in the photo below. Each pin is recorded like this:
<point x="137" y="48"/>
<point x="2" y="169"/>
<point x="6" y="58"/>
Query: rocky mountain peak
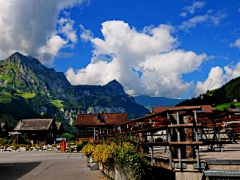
<point x="27" y="73"/>
<point x="24" y="60"/>
<point x="115" y="87"/>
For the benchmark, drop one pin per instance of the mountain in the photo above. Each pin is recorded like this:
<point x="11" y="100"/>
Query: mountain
<point x="225" y="94"/>
<point x="30" y="90"/>
<point x="150" y="102"/>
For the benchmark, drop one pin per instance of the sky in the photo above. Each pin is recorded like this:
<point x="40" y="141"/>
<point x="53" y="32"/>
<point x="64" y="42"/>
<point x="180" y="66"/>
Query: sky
<point x="167" y="48"/>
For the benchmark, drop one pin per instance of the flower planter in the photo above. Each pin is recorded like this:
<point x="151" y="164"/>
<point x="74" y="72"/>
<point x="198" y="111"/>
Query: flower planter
<point x="118" y="172"/>
<point x="110" y="173"/>
<point x="89" y="159"/>
<point x="100" y="166"/>
<point x="122" y="172"/>
<point x="112" y="154"/>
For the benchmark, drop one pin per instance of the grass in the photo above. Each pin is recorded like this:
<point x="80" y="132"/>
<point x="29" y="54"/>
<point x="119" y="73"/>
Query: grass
<point x="26" y="95"/>
<point x="226" y="105"/>
<point x="6" y="77"/>
<point x="57" y="103"/>
<point x="5" y="97"/>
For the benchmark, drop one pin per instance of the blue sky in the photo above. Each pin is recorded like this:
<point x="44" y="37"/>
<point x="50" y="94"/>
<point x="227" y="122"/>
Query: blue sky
<point x="170" y="48"/>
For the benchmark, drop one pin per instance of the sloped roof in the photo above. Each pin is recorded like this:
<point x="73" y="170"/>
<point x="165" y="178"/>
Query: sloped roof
<point x="234" y="110"/>
<point x="160" y="109"/>
<point x="3" y="124"/>
<point x="205" y="108"/>
<point x="33" y="124"/>
<point x="58" y="125"/>
<point x="93" y="119"/>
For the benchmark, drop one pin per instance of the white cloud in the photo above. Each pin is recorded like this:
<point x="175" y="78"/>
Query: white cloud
<point x="66" y="28"/>
<point x="191" y="9"/>
<point x="146" y="62"/>
<point x="206" y="18"/>
<point x="196" y="5"/>
<point x="183" y="14"/>
<point x="217" y="78"/>
<point x="54" y="44"/>
<point x="236" y="43"/>
<point x="26" y="26"/>
<point x="232" y="72"/>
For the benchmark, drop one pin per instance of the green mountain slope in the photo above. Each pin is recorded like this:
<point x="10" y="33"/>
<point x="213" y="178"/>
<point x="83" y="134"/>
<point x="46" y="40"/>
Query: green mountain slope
<point x="30" y="90"/>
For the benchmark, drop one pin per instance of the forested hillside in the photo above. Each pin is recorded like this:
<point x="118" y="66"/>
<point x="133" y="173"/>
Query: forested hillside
<point x="226" y="94"/>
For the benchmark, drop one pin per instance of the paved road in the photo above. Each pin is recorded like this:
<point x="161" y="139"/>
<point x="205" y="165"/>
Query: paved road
<point x="42" y="165"/>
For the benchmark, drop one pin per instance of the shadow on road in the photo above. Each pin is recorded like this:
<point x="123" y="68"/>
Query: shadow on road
<point x="12" y="171"/>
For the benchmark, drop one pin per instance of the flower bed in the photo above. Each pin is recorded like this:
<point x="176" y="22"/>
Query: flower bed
<point x="117" y="155"/>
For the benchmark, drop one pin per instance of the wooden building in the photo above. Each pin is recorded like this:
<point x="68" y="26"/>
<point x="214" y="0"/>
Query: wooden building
<point x="92" y="125"/>
<point x="40" y="131"/>
<point x="3" y="129"/>
<point x="60" y="129"/>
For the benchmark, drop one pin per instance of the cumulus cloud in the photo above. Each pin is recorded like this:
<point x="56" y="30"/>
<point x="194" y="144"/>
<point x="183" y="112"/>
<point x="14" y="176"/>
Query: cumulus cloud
<point x="191" y="9"/>
<point x="144" y="62"/>
<point x="209" y="17"/>
<point x="215" y="80"/>
<point x="30" y="27"/>
<point x="218" y="77"/>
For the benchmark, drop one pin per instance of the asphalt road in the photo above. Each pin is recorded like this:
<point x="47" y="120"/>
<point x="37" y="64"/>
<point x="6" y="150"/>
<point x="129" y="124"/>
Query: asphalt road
<point x="43" y="165"/>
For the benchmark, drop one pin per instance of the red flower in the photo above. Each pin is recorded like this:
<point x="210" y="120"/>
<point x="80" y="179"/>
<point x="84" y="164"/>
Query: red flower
<point x="136" y="149"/>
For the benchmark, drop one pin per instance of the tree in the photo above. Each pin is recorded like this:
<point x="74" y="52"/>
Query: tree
<point x="1" y="113"/>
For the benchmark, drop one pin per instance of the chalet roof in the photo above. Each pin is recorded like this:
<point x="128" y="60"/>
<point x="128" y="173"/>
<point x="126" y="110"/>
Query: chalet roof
<point x="233" y="110"/>
<point x="205" y="108"/>
<point x="33" y="124"/>
<point x="160" y="109"/>
<point x="95" y="120"/>
<point x="2" y="124"/>
<point x="58" y="125"/>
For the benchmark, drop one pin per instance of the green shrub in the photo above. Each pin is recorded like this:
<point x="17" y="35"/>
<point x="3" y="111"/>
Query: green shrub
<point x="80" y="145"/>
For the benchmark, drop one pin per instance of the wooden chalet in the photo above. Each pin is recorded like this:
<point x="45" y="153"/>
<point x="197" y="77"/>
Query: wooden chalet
<point x="3" y="129"/>
<point x="60" y="129"/>
<point x="93" y="125"/>
<point x="40" y="131"/>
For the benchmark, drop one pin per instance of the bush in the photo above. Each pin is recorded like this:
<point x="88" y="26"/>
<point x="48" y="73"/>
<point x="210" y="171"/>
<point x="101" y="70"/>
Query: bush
<point x="80" y="146"/>
<point x="70" y="149"/>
